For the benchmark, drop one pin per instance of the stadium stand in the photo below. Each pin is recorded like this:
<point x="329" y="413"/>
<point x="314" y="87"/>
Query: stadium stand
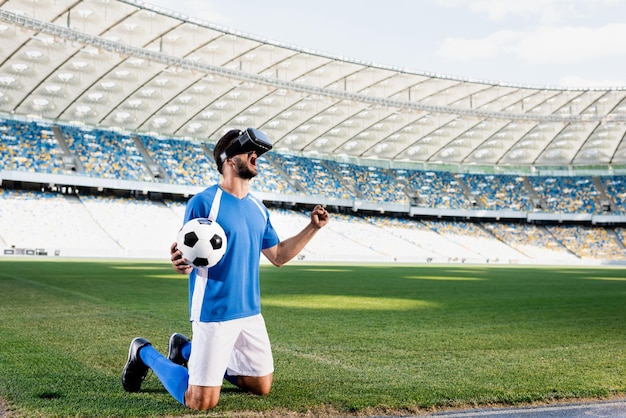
<point x="139" y="226"/>
<point x="332" y="244"/>
<point x="270" y="179"/>
<point x="29" y="147"/>
<point x="310" y="175"/>
<point x="533" y="241"/>
<point x="94" y="221"/>
<point x="438" y="190"/>
<point x="476" y="241"/>
<point x="183" y="162"/>
<point x="36" y="222"/>
<point x="106" y="154"/>
<point x="97" y="125"/>
<point x="574" y="194"/>
<point x="499" y="192"/>
<point x="615" y="187"/>
<point x="589" y="242"/>
<point x="621" y="235"/>
<point x="432" y="247"/>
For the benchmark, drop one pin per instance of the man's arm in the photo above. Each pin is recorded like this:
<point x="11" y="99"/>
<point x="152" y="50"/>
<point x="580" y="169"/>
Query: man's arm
<point x="289" y="248"/>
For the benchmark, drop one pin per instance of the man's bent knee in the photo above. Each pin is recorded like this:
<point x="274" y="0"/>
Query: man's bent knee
<point x="257" y="385"/>
<point x="202" y="397"/>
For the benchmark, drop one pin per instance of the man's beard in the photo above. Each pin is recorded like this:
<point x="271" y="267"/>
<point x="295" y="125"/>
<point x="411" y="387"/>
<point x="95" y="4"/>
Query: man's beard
<point x="242" y="170"/>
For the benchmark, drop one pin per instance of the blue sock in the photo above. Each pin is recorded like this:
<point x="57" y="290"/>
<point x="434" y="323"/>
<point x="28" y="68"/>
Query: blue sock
<point x="186" y="351"/>
<point x="175" y="378"/>
<point x="231" y="379"/>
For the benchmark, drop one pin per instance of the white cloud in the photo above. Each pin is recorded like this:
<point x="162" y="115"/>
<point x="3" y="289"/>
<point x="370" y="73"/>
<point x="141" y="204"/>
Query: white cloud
<point x="572" y="44"/>
<point x="543" y="11"/>
<point x="499" y="10"/>
<point x="543" y="45"/>
<point x="463" y="49"/>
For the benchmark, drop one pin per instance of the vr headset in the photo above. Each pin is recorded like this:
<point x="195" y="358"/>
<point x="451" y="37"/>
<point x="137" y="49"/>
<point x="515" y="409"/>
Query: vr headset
<point x="249" y="140"/>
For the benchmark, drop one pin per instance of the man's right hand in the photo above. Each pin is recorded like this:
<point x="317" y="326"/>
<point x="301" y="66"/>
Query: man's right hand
<point x="177" y="260"/>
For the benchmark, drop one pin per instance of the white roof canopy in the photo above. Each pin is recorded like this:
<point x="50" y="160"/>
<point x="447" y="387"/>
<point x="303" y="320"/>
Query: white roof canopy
<point x="127" y="65"/>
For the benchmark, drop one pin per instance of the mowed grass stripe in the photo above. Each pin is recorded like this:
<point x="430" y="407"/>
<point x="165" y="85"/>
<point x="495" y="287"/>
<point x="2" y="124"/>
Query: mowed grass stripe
<point x="346" y="338"/>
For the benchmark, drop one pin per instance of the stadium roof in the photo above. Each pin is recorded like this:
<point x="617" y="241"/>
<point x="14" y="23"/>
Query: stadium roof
<point x="128" y="65"/>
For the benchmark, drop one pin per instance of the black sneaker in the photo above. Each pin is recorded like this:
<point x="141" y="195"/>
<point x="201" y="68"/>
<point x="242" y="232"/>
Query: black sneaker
<point x="135" y="370"/>
<point x="175" y="349"/>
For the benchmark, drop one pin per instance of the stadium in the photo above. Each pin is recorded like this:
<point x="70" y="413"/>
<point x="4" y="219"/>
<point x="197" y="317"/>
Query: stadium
<point x="110" y="110"/>
<point x="95" y="125"/>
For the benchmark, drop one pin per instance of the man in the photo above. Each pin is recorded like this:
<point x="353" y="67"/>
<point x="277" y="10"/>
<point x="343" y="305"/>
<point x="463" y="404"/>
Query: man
<point x="230" y="340"/>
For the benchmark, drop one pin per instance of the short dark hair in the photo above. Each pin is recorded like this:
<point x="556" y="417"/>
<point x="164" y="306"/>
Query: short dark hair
<point x="223" y="143"/>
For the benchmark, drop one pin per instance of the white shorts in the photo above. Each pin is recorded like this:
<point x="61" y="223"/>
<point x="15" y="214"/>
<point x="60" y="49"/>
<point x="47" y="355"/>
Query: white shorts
<point x="240" y="346"/>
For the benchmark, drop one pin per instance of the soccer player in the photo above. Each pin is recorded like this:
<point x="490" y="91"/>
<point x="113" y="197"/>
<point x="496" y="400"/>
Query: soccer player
<point x="230" y="340"/>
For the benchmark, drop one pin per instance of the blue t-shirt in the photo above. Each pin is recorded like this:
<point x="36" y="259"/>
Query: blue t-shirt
<point x="230" y="289"/>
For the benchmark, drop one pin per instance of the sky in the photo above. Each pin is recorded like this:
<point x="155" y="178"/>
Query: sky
<point x="561" y="43"/>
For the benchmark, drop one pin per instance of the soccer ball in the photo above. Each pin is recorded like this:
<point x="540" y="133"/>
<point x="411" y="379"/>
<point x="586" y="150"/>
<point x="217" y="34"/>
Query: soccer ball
<point x="202" y="242"/>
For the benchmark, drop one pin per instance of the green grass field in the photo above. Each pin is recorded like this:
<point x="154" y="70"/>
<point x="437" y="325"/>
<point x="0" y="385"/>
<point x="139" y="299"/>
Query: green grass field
<point x="346" y="338"/>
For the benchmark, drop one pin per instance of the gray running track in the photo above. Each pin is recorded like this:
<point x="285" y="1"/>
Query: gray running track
<point x="615" y="408"/>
